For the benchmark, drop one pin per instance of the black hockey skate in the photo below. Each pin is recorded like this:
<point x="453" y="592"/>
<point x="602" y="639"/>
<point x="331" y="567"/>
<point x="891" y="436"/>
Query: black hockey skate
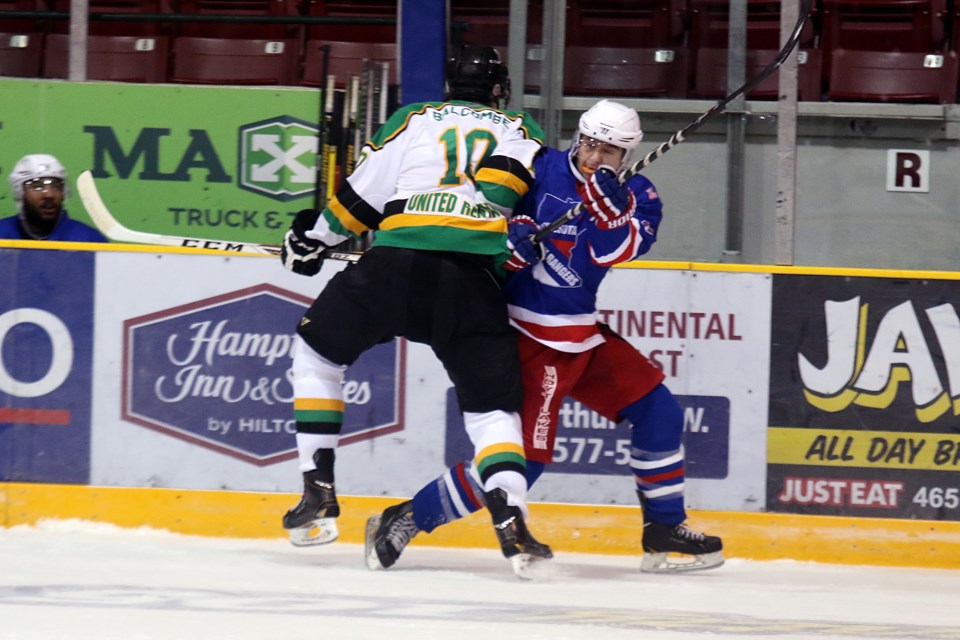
<point x="674" y="549"/>
<point x="313" y="520"/>
<point x="516" y="541"/>
<point x="388" y="534"/>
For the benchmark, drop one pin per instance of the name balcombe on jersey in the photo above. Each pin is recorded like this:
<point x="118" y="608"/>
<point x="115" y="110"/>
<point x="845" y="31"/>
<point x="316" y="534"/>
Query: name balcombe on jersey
<point x="555" y="300"/>
<point x="437" y="176"/>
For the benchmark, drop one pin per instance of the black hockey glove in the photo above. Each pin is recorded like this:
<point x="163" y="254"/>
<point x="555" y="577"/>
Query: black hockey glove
<point x="520" y="241"/>
<point x="609" y="203"/>
<point x="299" y="253"/>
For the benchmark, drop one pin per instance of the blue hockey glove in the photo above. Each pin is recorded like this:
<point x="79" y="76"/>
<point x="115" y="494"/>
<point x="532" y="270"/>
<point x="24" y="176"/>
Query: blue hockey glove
<point x="300" y="253"/>
<point x="520" y="241"/>
<point x="609" y="203"/>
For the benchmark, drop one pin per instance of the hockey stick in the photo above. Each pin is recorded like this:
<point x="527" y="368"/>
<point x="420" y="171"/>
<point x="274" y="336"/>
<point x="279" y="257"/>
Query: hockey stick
<point x="322" y="126"/>
<point x="111" y="227"/>
<point x="681" y="135"/>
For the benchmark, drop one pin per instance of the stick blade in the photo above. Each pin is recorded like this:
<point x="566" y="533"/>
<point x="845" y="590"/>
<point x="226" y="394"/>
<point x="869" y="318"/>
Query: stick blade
<point x="93" y="203"/>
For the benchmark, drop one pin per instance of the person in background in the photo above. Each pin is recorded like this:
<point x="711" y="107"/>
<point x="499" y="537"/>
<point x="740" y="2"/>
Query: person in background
<point x="39" y="184"/>
<point x="436" y="184"/>
<point x="566" y="351"/>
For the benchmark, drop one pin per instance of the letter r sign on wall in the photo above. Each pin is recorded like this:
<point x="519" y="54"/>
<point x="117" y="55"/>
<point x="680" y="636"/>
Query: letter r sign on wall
<point x="908" y="170"/>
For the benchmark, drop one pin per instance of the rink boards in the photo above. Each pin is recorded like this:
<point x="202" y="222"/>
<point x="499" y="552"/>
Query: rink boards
<point x="567" y="528"/>
<point x="820" y="405"/>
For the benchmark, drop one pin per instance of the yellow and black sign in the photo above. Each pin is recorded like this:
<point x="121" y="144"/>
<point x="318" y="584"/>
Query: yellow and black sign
<point x="865" y="397"/>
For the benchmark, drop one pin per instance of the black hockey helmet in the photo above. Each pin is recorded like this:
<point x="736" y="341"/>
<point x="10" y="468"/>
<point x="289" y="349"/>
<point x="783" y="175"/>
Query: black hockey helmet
<point x="476" y="73"/>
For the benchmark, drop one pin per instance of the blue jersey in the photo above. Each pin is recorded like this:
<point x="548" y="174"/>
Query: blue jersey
<point x="67" y="230"/>
<point x="555" y="300"/>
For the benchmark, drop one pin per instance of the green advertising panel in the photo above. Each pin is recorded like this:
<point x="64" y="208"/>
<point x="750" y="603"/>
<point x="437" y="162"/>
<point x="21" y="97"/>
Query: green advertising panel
<point x="227" y="163"/>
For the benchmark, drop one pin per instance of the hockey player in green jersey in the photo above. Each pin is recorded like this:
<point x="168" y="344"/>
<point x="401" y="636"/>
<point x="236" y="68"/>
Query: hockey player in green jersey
<point x="436" y="184"/>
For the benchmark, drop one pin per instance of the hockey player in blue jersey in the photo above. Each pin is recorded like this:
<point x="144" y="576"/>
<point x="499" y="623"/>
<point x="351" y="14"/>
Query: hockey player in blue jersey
<point x="38" y="182"/>
<point x="566" y="351"/>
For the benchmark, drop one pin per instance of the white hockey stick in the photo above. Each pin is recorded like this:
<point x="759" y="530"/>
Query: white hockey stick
<point x="112" y="228"/>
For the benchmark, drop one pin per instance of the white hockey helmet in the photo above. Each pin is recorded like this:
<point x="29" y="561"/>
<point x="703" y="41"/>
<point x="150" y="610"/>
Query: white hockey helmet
<point x="613" y="123"/>
<point x="31" y="167"/>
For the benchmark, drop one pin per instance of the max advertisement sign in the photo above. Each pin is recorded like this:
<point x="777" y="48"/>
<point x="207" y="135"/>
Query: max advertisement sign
<point x="197" y="170"/>
<point x="217" y="373"/>
<point x="865" y="397"/>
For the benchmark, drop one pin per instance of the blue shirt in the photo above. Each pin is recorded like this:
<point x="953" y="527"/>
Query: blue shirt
<point x="67" y="230"/>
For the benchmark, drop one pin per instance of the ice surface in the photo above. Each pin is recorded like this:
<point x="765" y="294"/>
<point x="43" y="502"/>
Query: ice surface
<point x="81" y="580"/>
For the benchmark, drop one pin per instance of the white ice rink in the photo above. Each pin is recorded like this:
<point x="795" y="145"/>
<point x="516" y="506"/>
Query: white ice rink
<point x="75" y="580"/>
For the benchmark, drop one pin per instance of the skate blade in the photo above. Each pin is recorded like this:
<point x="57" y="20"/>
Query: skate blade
<point x="664" y="562"/>
<point x="529" y="567"/>
<point x="369" y="544"/>
<point x="317" y="532"/>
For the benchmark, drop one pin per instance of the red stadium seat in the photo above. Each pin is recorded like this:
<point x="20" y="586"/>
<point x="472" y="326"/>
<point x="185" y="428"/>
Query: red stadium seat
<point x="893" y="76"/>
<point x="113" y="58"/>
<point x="607" y="71"/>
<point x="625" y="23"/>
<point x="917" y="26"/>
<point x="242" y="9"/>
<point x="710" y="78"/>
<point x="488" y="21"/>
<point x="21" y="54"/>
<point x="354" y="9"/>
<point x="23" y="25"/>
<point x="235" y="61"/>
<point x="119" y="27"/>
<point x="709" y="25"/>
<point x="884" y="25"/>
<point x="21" y="39"/>
<point x="346" y="60"/>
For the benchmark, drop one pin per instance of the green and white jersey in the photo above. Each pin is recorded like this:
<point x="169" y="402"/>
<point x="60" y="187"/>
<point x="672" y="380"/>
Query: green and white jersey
<point x="438" y="176"/>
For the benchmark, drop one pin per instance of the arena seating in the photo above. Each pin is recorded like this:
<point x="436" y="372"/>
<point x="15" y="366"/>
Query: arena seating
<point x="21" y="53"/>
<point x="884" y="25"/>
<point x="488" y="21"/>
<point x="710" y="80"/>
<point x="346" y="60"/>
<point x="708" y="37"/>
<point x="709" y="25"/>
<point x="893" y="76"/>
<point x="21" y="40"/>
<point x="112" y="58"/>
<point x="356" y="9"/>
<point x="240" y="61"/>
<point x="858" y="35"/>
<point x="648" y="24"/>
<point x="265" y="30"/>
<point x="119" y="27"/>
<point x="608" y="71"/>
<point x="628" y="48"/>
<point x="22" y="25"/>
